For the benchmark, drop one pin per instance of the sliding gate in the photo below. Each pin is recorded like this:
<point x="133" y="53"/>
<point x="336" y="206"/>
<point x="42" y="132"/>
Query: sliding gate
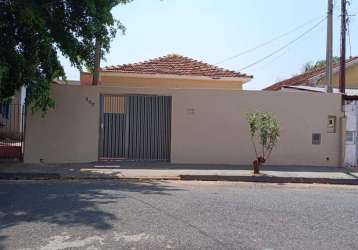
<point x="135" y="127"/>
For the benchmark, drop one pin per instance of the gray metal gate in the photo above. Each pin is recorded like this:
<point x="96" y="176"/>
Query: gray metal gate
<point x="135" y="127"/>
<point x="11" y="130"/>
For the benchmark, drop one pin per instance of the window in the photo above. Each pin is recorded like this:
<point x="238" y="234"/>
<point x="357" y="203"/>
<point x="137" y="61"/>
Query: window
<point x="316" y="138"/>
<point x="350" y="137"/>
<point x="114" y="104"/>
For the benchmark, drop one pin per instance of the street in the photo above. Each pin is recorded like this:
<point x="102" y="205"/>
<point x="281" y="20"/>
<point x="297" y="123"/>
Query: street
<point x="176" y="215"/>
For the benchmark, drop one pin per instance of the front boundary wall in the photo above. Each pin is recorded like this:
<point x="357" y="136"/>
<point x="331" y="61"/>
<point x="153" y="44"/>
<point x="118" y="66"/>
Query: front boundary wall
<point x="207" y="126"/>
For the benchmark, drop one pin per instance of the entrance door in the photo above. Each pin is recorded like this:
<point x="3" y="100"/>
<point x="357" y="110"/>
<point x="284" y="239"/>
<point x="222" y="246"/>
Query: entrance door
<point x="113" y="127"/>
<point x="135" y="127"/>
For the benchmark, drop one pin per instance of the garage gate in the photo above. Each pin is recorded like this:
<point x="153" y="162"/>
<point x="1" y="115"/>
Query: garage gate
<point x="135" y="127"/>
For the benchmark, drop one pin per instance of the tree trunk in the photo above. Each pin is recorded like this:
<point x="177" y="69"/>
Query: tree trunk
<point x="256" y="166"/>
<point x="97" y="63"/>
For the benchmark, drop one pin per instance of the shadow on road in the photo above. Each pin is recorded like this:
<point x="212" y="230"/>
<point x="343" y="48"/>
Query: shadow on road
<point x="2" y="238"/>
<point x="67" y="203"/>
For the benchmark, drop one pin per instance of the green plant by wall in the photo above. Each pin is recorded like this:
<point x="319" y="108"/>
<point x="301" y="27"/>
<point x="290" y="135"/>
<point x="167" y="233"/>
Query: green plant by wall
<point x="265" y="134"/>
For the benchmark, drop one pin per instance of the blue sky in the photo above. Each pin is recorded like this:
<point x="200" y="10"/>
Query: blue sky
<point x="212" y="30"/>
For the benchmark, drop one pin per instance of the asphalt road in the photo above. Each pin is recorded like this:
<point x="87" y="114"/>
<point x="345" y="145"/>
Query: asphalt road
<point x="179" y="215"/>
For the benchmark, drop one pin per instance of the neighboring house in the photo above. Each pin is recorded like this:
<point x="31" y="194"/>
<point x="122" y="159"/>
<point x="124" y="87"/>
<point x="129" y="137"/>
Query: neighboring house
<point x="171" y="71"/>
<point x="315" y="81"/>
<point x="317" y="78"/>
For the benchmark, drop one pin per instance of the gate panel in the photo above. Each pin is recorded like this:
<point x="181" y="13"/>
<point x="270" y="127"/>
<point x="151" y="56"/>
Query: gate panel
<point x="149" y="127"/>
<point x="113" y="127"/>
<point x="135" y="127"/>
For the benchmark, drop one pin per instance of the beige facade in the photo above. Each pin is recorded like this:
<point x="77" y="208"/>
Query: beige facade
<point x="351" y="78"/>
<point x="208" y="126"/>
<point x="165" y="81"/>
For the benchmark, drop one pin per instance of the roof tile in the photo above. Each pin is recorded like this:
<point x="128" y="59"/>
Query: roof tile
<point x="174" y="65"/>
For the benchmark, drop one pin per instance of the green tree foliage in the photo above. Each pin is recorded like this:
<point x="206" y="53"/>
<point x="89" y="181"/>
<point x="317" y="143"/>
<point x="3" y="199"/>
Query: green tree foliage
<point x="33" y="32"/>
<point x="265" y="131"/>
<point x="309" y="66"/>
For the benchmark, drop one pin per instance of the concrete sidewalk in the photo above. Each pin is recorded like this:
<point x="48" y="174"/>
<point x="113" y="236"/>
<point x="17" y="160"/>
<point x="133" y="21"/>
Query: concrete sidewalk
<point x="166" y="171"/>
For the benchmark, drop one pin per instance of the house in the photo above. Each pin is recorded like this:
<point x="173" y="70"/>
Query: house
<point x="317" y="78"/>
<point x="171" y="71"/>
<point x="315" y="81"/>
<point x="180" y="110"/>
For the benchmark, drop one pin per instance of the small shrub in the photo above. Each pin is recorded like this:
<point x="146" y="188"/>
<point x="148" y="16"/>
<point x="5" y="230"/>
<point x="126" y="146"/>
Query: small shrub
<point x="265" y="133"/>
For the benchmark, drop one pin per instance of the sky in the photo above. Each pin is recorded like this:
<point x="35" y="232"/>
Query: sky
<point x="212" y="31"/>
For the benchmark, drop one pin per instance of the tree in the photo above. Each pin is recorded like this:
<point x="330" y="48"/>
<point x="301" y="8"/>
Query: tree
<point x="264" y="129"/>
<point x="309" y="66"/>
<point x="33" y="32"/>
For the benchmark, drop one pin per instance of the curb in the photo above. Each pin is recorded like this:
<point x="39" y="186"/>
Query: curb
<point x="269" y="179"/>
<point x="263" y="179"/>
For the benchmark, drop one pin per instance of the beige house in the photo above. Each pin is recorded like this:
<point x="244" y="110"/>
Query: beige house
<point x="168" y="72"/>
<point x="183" y="111"/>
<point x="317" y="78"/>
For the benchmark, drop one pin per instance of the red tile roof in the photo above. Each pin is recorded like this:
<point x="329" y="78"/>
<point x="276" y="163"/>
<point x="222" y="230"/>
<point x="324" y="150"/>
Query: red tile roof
<point x="175" y="65"/>
<point x="303" y="79"/>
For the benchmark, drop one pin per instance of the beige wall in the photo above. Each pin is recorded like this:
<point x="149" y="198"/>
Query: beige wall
<point x="216" y="132"/>
<point x="164" y="81"/>
<point x="67" y="134"/>
<point x="170" y="82"/>
<point x="219" y="128"/>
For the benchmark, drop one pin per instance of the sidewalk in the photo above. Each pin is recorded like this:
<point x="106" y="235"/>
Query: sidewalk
<point x="165" y="171"/>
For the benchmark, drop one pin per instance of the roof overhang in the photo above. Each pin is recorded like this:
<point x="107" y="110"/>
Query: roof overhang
<point x="243" y="79"/>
